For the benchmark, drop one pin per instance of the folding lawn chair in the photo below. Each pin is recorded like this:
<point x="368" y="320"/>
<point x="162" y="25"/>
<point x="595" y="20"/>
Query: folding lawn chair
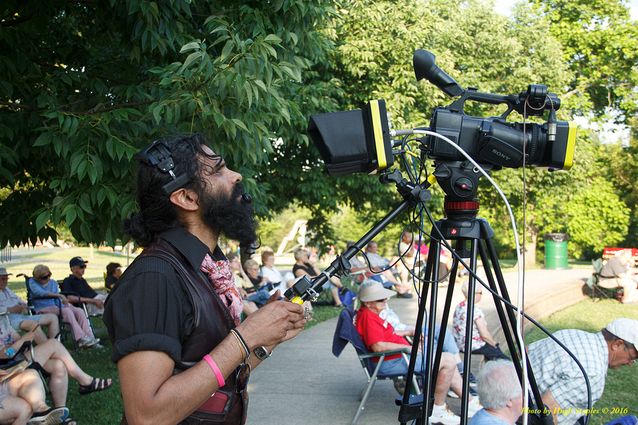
<point x="345" y="333"/>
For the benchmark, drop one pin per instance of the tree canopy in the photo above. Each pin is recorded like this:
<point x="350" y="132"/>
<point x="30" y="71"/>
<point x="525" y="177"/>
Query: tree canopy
<point x="83" y="86"/>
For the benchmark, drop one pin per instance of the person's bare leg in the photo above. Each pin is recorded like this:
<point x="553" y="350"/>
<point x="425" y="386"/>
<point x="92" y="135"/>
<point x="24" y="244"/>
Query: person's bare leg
<point x="15" y="411"/>
<point x="53" y="349"/>
<point x="58" y="382"/>
<point x="38" y="336"/>
<point x="52" y="324"/>
<point x="335" y="296"/>
<point x="444" y="378"/>
<point x="28" y="386"/>
<point x="249" y="307"/>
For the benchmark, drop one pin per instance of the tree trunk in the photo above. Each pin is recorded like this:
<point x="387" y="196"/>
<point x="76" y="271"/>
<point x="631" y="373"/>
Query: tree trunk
<point x="530" y="248"/>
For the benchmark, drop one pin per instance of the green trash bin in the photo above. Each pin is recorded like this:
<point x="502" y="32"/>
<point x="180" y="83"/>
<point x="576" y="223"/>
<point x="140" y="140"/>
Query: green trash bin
<point x="556" y="251"/>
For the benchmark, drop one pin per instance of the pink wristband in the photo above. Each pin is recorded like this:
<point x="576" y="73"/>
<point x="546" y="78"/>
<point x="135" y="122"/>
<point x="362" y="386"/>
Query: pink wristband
<point x="216" y="371"/>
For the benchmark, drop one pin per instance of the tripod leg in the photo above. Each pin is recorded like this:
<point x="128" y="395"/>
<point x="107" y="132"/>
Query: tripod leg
<point x="510" y="312"/>
<point x="428" y="277"/>
<point x="445" y="315"/>
<point x="469" y="327"/>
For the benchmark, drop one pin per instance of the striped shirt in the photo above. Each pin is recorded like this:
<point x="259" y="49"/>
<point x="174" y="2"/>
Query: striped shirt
<point x="555" y="370"/>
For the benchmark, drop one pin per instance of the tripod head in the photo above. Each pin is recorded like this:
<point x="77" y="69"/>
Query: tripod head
<point x="459" y="180"/>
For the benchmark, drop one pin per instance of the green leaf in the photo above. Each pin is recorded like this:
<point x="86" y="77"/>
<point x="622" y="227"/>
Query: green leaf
<point x="190" y="59"/>
<point x="190" y="46"/>
<point x="272" y="38"/>
<point x="239" y="123"/>
<point x="42" y="140"/>
<point x="70" y="215"/>
<point x="228" y="47"/>
<point x="42" y="219"/>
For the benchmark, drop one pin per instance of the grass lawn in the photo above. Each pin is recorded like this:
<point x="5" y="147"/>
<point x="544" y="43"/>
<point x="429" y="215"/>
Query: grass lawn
<point x="621" y="388"/>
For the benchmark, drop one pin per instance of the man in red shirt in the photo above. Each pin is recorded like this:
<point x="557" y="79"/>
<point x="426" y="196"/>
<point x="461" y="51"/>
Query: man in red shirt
<point x="378" y="335"/>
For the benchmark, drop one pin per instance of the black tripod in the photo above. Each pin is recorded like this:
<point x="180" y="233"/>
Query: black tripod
<point x="471" y="237"/>
<point x="463" y="228"/>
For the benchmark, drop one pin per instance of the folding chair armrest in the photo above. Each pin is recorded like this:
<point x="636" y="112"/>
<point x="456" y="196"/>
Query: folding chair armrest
<point x="44" y="297"/>
<point x="405" y="350"/>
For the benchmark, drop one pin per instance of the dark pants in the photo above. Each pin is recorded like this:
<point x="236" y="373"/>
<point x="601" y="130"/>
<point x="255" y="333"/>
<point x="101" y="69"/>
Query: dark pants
<point x="490" y="352"/>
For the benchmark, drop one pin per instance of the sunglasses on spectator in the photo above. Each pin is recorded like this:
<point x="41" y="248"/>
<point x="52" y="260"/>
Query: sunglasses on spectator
<point x="46" y="276"/>
<point x="381" y="301"/>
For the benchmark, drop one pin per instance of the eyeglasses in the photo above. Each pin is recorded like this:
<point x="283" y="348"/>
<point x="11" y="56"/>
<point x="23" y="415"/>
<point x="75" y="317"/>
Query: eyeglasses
<point x="83" y="266"/>
<point x="45" y="277"/>
<point x="381" y="301"/>
<point x="242" y="377"/>
<point x="627" y="347"/>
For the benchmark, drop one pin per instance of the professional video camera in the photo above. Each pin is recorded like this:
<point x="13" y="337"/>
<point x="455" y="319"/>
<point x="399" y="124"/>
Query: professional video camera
<point x="360" y="140"/>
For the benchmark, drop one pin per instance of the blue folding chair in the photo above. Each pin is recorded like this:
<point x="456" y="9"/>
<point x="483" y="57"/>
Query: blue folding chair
<point x="346" y="333"/>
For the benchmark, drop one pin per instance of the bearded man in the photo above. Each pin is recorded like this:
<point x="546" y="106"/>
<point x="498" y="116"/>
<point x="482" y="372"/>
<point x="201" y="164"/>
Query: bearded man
<point x="174" y="317"/>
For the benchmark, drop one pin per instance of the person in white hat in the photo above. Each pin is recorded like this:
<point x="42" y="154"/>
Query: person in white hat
<point x="379" y="335"/>
<point x="559" y="379"/>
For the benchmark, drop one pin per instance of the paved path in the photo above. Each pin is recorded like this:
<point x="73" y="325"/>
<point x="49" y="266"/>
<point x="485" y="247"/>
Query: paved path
<point x="303" y="383"/>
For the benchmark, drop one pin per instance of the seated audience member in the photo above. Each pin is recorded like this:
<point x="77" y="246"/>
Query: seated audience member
<point x="379" y="265"/>
<point x="408" y="261"/>
<point x="76" y="283"/>
<point x="113" y="273"/>
<point x="17" y="309"/>
<point x="56" y="360"/>
<point x="303" y="267"/>
<point x="41" y="285"/>
<point x="482" y="340"/>
<point x="379" y="335"/>
<point x="23" y="401"/>
<point x="560" y="380"/>
<point x="619" y="271"/>
<point x="261" y="293"/>
<point x="500" y="394"/>
<point x="402" y="329"/>
<point x="270" y="272"/>
<point x="242" y="283"/>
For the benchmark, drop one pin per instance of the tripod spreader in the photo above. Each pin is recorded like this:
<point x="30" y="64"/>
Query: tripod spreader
<point x="307" y="288"/>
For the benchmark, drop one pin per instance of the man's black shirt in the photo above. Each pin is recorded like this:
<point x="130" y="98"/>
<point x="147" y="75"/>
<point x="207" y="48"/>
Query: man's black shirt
<point x="78" y="286"/>
<point x="149" y="309"/>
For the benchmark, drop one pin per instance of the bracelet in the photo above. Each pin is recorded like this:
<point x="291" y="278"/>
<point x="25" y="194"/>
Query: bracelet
<point x="242" y="342"/>
<point x="241" y="346"/>
<point x="218" y="374"/>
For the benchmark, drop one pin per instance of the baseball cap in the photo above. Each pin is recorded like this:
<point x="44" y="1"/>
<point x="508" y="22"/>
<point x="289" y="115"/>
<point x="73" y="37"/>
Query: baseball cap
<point x="77" y="261"/>
<point x="373" y="291"/>
<point x="625" y="329"/>
<point x="3" y="272"/>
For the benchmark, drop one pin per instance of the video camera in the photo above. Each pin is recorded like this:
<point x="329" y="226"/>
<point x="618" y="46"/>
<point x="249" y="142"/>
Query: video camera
<point x="360" y="140"/>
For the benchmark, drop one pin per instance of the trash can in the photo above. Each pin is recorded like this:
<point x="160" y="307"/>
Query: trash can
<point x="556" y="251"/>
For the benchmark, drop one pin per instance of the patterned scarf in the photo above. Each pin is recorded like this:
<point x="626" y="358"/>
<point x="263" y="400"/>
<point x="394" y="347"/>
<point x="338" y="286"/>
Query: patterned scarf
<point x="221" y="278"/>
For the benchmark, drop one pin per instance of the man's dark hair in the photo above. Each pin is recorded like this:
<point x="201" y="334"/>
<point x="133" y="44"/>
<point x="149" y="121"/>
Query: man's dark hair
<point x="156" y="212"/>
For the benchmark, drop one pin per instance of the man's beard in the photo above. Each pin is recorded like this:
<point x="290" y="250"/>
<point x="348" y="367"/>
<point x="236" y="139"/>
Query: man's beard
<point x="231" y="216"/>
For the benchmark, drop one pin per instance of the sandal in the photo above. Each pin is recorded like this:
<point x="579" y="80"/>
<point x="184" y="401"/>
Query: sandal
<point x="97" y="384"/>
<point x="53" y="416"/>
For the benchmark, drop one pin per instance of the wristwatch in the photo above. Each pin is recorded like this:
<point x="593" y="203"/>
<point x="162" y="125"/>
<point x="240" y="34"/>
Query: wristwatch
<point x="262" y="353"/>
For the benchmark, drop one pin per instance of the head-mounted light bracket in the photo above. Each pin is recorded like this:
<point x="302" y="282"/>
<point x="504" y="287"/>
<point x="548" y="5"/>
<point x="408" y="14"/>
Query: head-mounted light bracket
<point x="159" y="155"/>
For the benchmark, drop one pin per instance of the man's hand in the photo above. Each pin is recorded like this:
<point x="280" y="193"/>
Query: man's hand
<point x="272" y="324"/>
<point x="63" y="299"/>
<point x="98" y="303"/>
